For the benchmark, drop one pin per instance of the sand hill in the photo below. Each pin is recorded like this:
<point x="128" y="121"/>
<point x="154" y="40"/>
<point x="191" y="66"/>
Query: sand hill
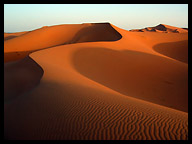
<point x="162" y="28"/>
<point x="45" y="37"/>
<point x="96" y="82"/>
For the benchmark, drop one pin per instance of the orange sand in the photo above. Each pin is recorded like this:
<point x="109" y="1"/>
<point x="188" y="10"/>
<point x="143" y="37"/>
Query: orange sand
<point x="96" y="81"/>
<point x="162" y="28"/>
<point x="8" y="36"/>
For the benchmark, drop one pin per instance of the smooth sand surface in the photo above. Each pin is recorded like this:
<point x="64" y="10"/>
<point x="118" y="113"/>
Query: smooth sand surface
<point x="99" y="82"/>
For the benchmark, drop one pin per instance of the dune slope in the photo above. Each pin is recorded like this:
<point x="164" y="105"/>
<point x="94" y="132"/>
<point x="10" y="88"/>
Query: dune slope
<point x="177" y="50"/>
<point x="138" y="74"/>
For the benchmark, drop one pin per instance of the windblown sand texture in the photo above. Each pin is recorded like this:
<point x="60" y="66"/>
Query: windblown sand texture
<point x="95" y="81"/>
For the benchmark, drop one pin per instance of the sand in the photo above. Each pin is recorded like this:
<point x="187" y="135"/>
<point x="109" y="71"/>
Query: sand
<point x="8" y="36"/>
<point x="162" y="28"/>
<point x="20" y="77"/>
<point x="45" y="37"/>
<point x="96" y="82"/>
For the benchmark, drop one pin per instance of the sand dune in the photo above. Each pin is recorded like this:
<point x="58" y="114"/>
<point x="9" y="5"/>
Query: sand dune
<point x="99" y="82"/>
<point x="46" y="37"/>
<point x="162" y="28"/>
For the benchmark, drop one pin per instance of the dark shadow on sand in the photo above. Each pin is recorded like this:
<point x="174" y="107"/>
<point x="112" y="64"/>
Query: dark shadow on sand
<point x="20" y="77"/>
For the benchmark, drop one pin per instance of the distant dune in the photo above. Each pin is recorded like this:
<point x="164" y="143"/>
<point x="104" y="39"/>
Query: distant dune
<point x="162" y="28"/>
<point x="95" y="81"/>
<point x="8" y="36"/>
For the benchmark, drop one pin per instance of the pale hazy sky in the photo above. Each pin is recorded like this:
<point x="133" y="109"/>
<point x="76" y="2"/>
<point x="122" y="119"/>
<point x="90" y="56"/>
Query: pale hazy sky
<point x="24" y="17"/>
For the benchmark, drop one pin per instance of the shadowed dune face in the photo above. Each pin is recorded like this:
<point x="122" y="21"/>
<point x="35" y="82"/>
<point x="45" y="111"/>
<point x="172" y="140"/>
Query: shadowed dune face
<point x="141" y="75"/>
<point x="161" y="27"/>
<point x="176" y="50"/>
<point x="97" y="32"/>
<point x="20" y="77"/>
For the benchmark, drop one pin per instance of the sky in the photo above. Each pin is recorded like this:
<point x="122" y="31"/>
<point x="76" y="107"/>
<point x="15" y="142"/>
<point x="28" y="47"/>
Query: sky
<point x="26" y="17"/>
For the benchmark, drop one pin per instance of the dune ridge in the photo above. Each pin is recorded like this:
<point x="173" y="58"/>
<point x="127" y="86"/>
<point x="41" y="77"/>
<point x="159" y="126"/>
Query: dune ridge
<point x="84" y="92"/>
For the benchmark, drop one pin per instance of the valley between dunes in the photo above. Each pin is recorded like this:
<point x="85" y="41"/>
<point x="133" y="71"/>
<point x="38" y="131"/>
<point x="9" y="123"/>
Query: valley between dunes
<point x="95" y="81"/>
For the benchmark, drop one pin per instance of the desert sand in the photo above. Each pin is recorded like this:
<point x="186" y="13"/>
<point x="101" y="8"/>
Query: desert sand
<point x="162" y="28"/>
<point x="8" y="36"/>
<point x="95" y="81"/>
